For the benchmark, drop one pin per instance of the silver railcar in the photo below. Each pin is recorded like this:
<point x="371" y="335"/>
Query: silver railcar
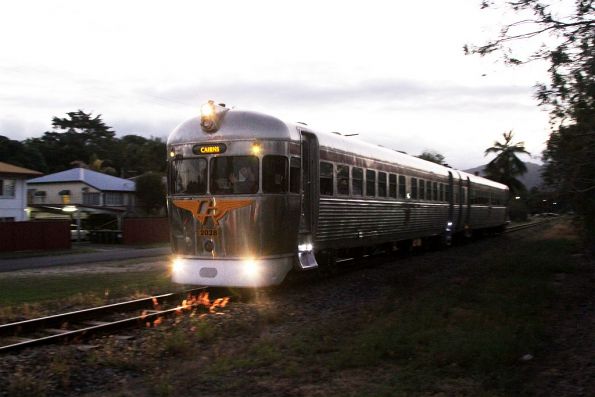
<point x="251" y="197"/>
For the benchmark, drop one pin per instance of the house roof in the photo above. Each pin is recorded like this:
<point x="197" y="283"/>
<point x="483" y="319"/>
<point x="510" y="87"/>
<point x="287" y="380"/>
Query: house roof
<point x="6" y="168"/>
<point x="92" y="178"/>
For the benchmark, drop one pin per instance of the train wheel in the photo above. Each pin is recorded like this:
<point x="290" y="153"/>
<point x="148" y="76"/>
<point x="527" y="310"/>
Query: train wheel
<point x="327" y="261"/>
<point x="444" y="240"/>
<point x="404" y="247"/>
<point x="358" y="253"/>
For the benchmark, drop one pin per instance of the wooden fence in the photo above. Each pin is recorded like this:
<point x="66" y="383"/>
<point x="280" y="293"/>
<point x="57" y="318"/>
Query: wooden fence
<point x="145" y="230"/>
<point x="38" y="235"/>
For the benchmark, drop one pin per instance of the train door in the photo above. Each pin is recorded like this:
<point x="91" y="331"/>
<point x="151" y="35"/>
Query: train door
<point x="450" y="197"/>
<point x="309" y="210"/>
<point x="468" y="203"/>
<point x="460" y="200"/>
<point x="449" y="229"/>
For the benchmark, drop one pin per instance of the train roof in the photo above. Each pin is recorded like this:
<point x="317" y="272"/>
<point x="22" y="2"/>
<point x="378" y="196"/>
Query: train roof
<point x="237" y="124"/>
<point x="352" y="144"/>
<point x="242" y="124"/>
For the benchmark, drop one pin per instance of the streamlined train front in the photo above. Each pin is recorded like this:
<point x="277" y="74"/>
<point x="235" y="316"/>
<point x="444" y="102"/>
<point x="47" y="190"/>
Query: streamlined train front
<point x="233" y="208"/>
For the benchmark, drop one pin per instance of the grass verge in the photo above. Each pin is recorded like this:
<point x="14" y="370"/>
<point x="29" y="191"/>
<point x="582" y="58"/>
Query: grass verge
<point x="461" y="330"/>
<point x="27" y="296"/>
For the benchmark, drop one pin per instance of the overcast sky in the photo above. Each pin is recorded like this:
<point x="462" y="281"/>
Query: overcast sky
<point x="394" y="72"/>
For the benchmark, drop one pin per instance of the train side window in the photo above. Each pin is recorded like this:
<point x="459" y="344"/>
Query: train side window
<point x="422" y="189"/>
<point x="429" y="191"/>
<point x="274" y="174"/>
<point x="414" y="188"/>
<point x="294" y="175"/>
<point x="188" y="176"/>
<point x="382" y="184"/>
<point x="370" y="183"/>
<point x="326" y="179"/>
<point x="482" y="198"/>
<point x="402" y="187"/>
<point x="357" y="181"/>
<point x="435" y="191"/>
<point x="343" y="179"/>
<point x="392" y="185"/>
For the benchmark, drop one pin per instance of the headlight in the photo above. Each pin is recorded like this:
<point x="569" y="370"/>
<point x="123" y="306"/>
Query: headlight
<point x="211" y="115"/>
<point x="305" y="247"/>
<point x="251" y="268"/>
<point x="176" y="265"/>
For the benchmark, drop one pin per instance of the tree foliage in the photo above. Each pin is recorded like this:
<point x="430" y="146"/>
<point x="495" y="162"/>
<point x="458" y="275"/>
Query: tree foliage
<point x="150" y="190"/>
<point x="84" y="140"/>
<point x="433" y="156"/>
<point x="16" y="153"/>
<point x="506" y="166"/>
<point x="569" y="95"/>
<point x="75" y="138"/>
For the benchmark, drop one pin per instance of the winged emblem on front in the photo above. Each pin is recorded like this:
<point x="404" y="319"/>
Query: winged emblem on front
<point x="216" y="209"/>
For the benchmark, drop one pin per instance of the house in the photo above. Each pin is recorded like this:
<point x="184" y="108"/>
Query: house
<point x="13" y="198"/>
<point x="82" y="190"/>
<point x="80" y="186"/>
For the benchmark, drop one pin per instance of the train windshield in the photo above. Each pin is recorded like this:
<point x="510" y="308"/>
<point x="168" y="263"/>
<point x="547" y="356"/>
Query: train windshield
<point x="188" y="176"/>
<point x="234" y="175"/>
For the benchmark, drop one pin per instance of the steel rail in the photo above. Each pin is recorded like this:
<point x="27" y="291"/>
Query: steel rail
<point x="57" y="322"/>
<point x="512" y="229"/>
<point x="22" y="328"/>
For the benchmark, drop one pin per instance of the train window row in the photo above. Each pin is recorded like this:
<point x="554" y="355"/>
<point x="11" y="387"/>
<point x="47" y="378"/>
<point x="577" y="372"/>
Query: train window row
<point x="234" y="175"/>
<point x="241" y="175"/>
<point x="377" y="184"/>
<point x="487" y="197"/>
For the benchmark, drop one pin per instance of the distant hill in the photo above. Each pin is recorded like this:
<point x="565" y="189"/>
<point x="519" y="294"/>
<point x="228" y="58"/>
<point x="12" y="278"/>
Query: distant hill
<point x="531" y="179"/>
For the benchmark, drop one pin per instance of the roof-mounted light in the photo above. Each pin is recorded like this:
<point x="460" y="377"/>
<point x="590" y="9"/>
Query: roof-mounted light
<point x="256" y="148"/>
<point x="211" y="116"/>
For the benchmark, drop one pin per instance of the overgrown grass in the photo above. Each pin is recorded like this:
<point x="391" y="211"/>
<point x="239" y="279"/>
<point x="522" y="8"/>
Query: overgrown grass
<point x="463" y="336"/>
<point x="19" y="293"/>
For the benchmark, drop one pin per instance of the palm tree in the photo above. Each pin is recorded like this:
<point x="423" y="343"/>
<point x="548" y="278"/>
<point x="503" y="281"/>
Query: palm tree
<point x="506" y="166"/>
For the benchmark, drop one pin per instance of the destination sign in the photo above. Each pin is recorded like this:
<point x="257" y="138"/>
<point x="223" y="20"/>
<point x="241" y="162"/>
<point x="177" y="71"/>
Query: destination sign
<point x="211" y="148"/>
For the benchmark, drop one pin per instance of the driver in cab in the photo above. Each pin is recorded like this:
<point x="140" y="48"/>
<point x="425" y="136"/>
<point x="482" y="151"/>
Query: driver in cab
<point x="244" y="182"/>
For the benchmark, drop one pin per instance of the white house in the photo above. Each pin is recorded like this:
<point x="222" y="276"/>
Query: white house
<point x="13" y="196"/>
<point x="82" y="187"/>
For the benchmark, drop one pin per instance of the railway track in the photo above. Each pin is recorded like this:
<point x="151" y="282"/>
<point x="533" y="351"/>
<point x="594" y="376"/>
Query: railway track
<point x="516" y="228"/>
<point x="108" y="318"/>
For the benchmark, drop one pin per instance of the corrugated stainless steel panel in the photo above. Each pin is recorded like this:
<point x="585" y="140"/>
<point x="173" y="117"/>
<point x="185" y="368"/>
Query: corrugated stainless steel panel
<point x="484" y="216"/>
<point x="358" y="220"/>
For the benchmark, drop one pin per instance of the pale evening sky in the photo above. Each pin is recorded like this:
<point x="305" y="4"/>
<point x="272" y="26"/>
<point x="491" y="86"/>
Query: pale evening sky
<point x="394" y="72"/>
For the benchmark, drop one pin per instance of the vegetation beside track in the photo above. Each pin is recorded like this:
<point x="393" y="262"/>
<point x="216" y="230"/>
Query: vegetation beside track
<point x="31" y="295"/>
<point x="472" y="320"/>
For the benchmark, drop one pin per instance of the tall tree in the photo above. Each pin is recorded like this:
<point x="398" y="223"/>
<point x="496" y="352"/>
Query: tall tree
<point x="137" y="155"/>
<point x="150" y="189"/>
<point x="76" y="138"/>
<point x="506" y="166"/>
<point x="14" y="152"/>
<point x="433" y="156"/>
<point x="569" y="95"/>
